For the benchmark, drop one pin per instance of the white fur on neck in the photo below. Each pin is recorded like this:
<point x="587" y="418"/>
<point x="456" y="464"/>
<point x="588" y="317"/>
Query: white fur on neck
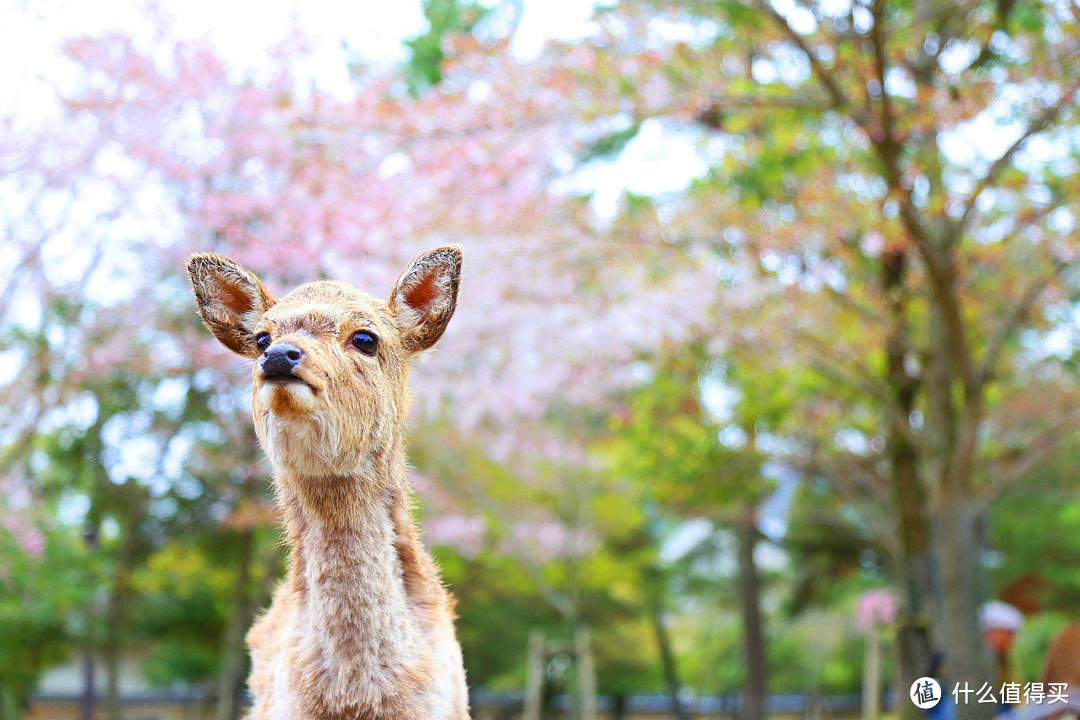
<point x="355" y="617"/>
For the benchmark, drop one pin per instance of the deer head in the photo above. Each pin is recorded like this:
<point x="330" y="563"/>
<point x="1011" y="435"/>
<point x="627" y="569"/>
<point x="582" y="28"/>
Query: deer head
<point x="331" y="362"/>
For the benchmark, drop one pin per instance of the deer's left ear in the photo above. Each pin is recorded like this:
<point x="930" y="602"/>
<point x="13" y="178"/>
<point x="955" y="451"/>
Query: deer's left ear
<point x="231" y="300"/>
<point x="424" y="298"/>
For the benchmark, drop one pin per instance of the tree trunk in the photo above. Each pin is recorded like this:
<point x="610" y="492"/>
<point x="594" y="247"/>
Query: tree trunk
<point x="871" y="687"/>
<point x="534" y="680"/>
<point x="913" y="565"/>
<point x="110" y="655"/>
<point x="667" y="660"/>
<point x="956" y="546"/>
<point x="914" y="571"/>
<point x="111" y="649"/>
<point x="967" y="659"/>
<point x="753" y="625"/>
<point x="116" y="618"/>
<point x="586" y="674"/>
<point x="234" y="654"/>
<point x="86" y="701"/>
<point x="618" y="707"/>
<point x="914" y="643"/>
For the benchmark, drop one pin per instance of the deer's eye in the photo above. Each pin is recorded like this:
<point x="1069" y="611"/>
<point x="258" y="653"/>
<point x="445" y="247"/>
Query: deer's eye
<point x="365" y="342"/>
<point x="262" y="341"/>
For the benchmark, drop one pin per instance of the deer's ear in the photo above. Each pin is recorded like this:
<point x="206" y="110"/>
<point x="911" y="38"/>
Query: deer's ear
<point x="231" y="300"/>
<point x="424" y="298"/>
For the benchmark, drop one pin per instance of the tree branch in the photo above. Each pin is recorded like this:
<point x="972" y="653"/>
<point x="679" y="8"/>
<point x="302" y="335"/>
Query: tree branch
<point x="1037" y="450"/>
<point x="1012" y="322"/>
<point x="1037" y="125"/>
<point x="878" y="41"/>
<point x="856" y="475"/>
<point x="844" y="300"/>
<point x="938" y="264"/>
<point x="829" y="367"/>
<point x="832" y="89"/>
<point x="712" y="114"/>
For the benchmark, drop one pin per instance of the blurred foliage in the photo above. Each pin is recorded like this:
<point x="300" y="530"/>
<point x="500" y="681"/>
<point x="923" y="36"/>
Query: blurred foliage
<point x="666" y="440"/>
<point x="184" y="606"/>
<point x="426" y="51"/>
<point x="817" y="653"/>
<point x="1029" y="655"/>
<point x="43" y="601"/>
<point x="834" y="552"/>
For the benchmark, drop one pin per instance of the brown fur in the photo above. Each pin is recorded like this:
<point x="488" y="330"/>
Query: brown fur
<point x="1063" y="657"/>
<point x="362" y="627"/>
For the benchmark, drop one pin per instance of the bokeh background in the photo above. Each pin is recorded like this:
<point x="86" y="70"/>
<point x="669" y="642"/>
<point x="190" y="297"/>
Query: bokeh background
<point x="764" y="369"/>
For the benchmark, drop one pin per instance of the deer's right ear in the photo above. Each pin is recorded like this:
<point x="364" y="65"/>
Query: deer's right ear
<point x="231" y="300"/>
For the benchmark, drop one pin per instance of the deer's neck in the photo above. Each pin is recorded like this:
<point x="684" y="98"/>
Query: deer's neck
<point x="356" y="558"/>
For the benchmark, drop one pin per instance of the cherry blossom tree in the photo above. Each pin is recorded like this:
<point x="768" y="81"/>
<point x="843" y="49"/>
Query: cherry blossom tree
<point x="158" y="150"/>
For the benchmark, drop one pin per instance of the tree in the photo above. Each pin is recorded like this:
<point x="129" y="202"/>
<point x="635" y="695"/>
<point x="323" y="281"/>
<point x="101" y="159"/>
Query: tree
<point x="670" y="445"/>
<point x="41" y="588"/>
<point x="910" y="270"/>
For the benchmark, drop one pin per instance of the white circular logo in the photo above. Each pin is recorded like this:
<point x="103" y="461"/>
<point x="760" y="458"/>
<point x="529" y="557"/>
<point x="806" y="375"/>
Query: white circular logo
<point x="925" y="693"/>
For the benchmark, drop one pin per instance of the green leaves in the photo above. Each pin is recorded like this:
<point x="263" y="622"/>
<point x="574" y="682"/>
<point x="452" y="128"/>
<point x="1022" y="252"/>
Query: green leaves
<point x="445" y="17"/>
<point x="610" y="144"/>
<point x="667" y="441"/>
<point x="40" y="597"/>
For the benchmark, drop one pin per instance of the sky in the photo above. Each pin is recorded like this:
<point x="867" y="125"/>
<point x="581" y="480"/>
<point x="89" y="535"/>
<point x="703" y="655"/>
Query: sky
<point x="658" y="161"/>
<point x="655" y="162"/>
<point x="243" y="30"/>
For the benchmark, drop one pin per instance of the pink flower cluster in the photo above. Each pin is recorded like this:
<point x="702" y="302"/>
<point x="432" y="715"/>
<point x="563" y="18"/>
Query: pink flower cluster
<point x="548" y="540"/>
<point x="874" y="608"/>
<point x="464" y="533"/>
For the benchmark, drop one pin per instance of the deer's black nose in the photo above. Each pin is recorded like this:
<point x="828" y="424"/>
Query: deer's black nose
<point x="280" y="359"/>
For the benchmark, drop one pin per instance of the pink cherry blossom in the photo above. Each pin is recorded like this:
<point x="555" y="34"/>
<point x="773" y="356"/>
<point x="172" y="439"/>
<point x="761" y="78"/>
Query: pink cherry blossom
<point x="875" y="607"/>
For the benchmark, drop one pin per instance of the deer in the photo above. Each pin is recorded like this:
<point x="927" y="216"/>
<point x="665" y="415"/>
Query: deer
<point x="362" y="626"/>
